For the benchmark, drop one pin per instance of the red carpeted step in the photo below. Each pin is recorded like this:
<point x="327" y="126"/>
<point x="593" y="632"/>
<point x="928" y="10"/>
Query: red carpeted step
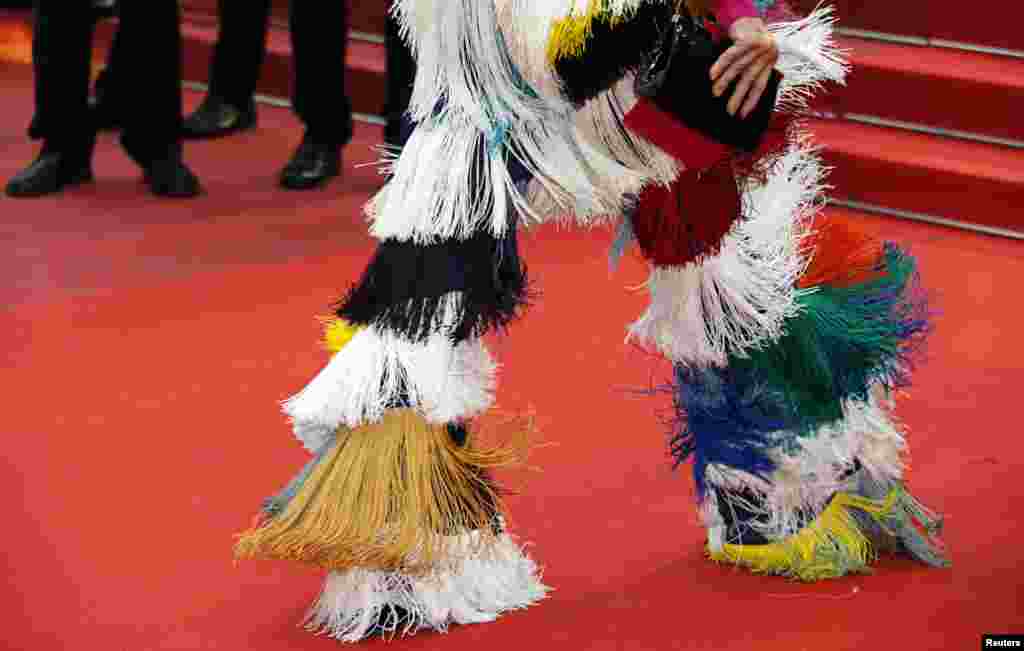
<point x="365" y="67"/>
<point x="939" y="87"/>
<point x="15" y="36"/>
<point x="954" y="179"/>
<point x="364" y="16"/>
<point x="990" y="23"/>
<point x="369" y="17"/>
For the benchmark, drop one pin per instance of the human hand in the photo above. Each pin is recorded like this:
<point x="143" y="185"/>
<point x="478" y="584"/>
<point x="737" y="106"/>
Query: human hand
<point x="750" y="60"/>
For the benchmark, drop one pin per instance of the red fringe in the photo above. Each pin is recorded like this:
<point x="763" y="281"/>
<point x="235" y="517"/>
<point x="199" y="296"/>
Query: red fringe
<point x="685" y="222"/>
<point x="841" y="255"/>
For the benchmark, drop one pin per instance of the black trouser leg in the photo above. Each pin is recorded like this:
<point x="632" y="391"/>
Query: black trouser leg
<point x="319" y="31"/>
<point x="151" y="30"/>
<point x="61" y="56"/>
<point x="401" y="74"/>
<point x="240" y="50"/>
<point x="109" y="89"/>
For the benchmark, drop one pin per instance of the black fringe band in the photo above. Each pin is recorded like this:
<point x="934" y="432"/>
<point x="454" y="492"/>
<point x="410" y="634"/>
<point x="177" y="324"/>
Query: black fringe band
<point x="406" y="287"/>
<point x="612" y="52"/>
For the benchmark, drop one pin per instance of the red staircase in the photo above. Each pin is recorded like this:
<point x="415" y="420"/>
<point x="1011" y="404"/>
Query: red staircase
<point x="930" y="126"/>
<point x="365" y="71"/>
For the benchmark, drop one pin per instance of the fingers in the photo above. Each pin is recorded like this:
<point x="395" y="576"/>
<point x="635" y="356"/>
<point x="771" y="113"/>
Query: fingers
<point x="746" y="84"/>
<point x="735" y="68"/>
<point x="748" y="64"/>
<point x="756" y="91"/>
<point x="738" y="50"/>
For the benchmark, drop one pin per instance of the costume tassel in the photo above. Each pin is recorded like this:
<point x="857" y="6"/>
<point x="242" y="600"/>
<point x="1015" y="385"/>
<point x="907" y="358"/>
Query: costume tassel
<point x="686" y="222"/>
<point x="475" y="590"/>
<point x="376" y="370"/>
<point x="387" y="496"/>
<point x="845" y="538"/>
<point x="836" y="543"/>
<point x="831" y="546"/>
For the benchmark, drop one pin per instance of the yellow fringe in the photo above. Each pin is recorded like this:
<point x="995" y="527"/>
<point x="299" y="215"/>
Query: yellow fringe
<point x="337" y="333"/>
<point x="569" y="35"/>
<point x="390" y="496"/>
<point x="829" y="547"/>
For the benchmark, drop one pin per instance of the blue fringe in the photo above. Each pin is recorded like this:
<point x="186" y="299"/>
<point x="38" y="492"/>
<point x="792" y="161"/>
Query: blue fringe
<point x="844" y="340"/>
<point x="725" y="418"/>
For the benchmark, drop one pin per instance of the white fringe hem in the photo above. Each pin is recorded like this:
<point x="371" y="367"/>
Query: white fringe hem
<point x="477" y="590"/>
<point x="739" y="299"/>
<point x="444" y="382"/>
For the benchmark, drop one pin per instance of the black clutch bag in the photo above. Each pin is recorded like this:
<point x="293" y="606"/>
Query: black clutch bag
<point x="676" y="75"/>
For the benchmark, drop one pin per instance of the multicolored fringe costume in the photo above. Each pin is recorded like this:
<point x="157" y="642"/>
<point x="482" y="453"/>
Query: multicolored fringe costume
<point x="786" y="332"/>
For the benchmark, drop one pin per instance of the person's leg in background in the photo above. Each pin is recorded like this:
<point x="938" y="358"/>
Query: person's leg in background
<point x="151" y="131"/>
<point x="61" y="55"/>
<point x="234" y="71"/>
<point x="104" y="101"/>
<point x="319" y="42"/>
<point x="108" y="98"/>
<point x="401" y="74"/>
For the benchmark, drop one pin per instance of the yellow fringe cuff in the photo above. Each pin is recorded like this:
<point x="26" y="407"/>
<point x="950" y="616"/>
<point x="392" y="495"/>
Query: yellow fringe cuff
<point x="394" y="496"/>
<point x="831" y="546"/>
<point x="337" y="333"/>
<point x="569" y="35"/>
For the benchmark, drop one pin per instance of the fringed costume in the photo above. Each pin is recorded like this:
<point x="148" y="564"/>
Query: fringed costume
<point x="786" y="332"/>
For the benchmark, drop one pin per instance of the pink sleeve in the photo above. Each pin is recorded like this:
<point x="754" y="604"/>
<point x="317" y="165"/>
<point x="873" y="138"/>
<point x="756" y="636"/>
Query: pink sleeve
<point x="729" y="11"/>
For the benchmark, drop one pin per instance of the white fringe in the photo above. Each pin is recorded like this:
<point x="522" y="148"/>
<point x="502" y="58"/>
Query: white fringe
<point x="738" y="299"/>
<point x="443" y="382"/>
<point x="808" y="57"/>
<point x="477" y="590"/>
<point x="808" y="476"/>
<point x="426" y="201"/>
<point x="472" y="54"/>
<point x="451" y="179"/>
<point x="599" y="123"/>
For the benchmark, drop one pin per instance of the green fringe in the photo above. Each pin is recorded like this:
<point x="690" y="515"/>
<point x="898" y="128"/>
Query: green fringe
<point x="844" y="340"/>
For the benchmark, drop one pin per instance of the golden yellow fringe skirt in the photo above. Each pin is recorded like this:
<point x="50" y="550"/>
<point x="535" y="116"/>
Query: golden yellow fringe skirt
<point x="393" y="496"/>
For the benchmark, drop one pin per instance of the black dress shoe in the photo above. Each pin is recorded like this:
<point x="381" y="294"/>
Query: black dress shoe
<point x="313" y="164"/>
<point x="170" y="177"/>
<point x="215" y="118"/>
<point x="51" y="172"/>
<point x="166" y="175"/>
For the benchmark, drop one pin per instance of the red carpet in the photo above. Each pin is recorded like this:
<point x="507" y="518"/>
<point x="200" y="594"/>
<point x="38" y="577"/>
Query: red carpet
<point x="148" y="341"/>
